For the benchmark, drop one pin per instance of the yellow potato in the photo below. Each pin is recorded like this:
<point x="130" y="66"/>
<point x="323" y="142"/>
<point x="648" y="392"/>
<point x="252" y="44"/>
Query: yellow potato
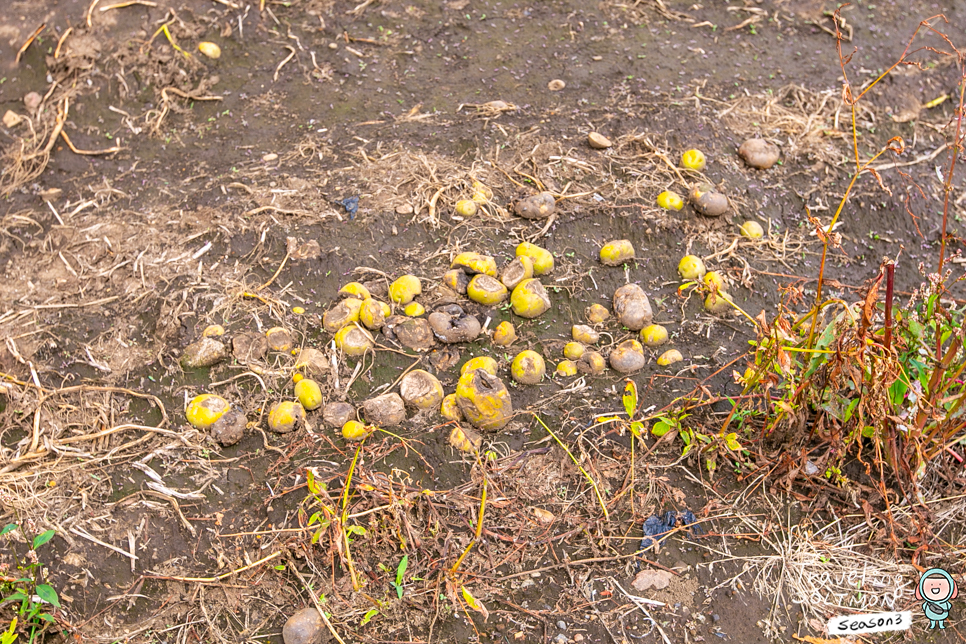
<point x="309" y="394"/>
<point x="693" y="160"/>
<point x="573" y="350"/>
<point x="484" y="400"/>
<point x="670" y="200"/>
<point x="752" y="230"/>
<point x="617" y="253"/>
<point x="414" y="309"/>
<point x="566" y="368"/>
<point x="344" y="313"/>
<point x="528" y="367"/>
<point x="691" y="267"/>
<point x="504" y="334"/>
<point x="654" y="335"/>
<point x="356" y="290"/>
<point x="529" y="299"/>
<point x="405" y="289"/>
<point x="353" y="341"/>
<point x="466" y="208"/>
<point x="204" y="411"/>
<point x="286" y="416"/>
<point x="210" y="49"/>
<point x="353" y="430"/>
<point x="449" y="409"/>
<point x="541" y="257"/>
<point x="486" y="290"/>
<point x="596" y="314"/>
<point x="465" y="440"/>
<point x="474" y="263"/>
<point x="486" y="363"/>
<point x="669" y="357"/>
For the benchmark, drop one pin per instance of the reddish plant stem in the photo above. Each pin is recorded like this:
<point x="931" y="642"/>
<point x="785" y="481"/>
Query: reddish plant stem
<point x="890" y="283"/>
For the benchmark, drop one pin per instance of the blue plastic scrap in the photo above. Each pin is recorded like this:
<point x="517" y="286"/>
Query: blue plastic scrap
<point x="351" y="205"/>
<point x="657" y="527"/>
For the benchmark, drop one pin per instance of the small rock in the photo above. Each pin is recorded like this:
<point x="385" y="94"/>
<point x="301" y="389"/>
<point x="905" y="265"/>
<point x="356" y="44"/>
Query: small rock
<point x="578" y="637"/>
<point x="562" y="625"/>
<point x="560" y="639"/>
<point x="271" y="156"/>
<point x="405" y="209"/>
<point x="203" y="353"/>
<point x="647" y="579"/>
<point x="759" y="153"/>
<point x="32" y="101"/>
<point x="11" y="119"/>
<point x="598" y="141"/>
<point x="304" y="627"/>
<point x="337" y="414"/>
<point x="716" y="618"/>
<point x="556" y="85"/>
<point x="387" y="410"/>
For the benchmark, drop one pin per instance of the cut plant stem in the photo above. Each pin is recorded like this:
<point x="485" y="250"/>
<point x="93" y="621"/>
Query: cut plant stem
<point x="345" y="516"/>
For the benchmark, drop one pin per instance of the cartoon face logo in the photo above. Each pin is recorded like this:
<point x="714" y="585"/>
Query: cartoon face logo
<point x="937" y="589"/>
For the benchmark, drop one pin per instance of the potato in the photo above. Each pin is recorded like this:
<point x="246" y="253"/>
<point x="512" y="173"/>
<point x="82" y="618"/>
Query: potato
<point x="486" y="290"/>
<point x="356" y="290"/>
<point x="353" y="430"/>
<point x="713" y="280"/>
<point x="654" y="335"/>
<point x="405" y="289"/>
<point x="538" y="206"/>
<point x="412" y="333"/>
<point x="204" y="410"/>
<point x="718" y="303"/>
<point x="752" y="230"/>
<point x="573" y="350"/>
<point x="691" y="267"/>
<point x="286" y="416"/>
<point x="504" y="335"/>
<point x="475" y="264"/>
<point x="486" y="363"/>
<point x="279" y="339"/>
<point x="693" y="160"/>
<point x="466" y="208"/>
<point x="465" y="440"/>
<point x="632" y="307"/>
<point x="210" y="49"/>
<point x="670" y="200"/>
<point x="353" y="341"/>
<point x="528" y="367"/>
<point x="584" y="333"/>
<point x="541" y="257"/>
<point x="457" y="280"/>
<point x="421" y="389"/>
<point x="449" y="409"/>
<point x="529" y="299"/>
<point x="414" y="309"/>
<point x="627" y="357"/>
<point x="616" y="253"/>
<point x="484" y="400"/>
<point x="516" y="271"/>
<point x="342" y="314"/>
<point x="213" y="331"/>
<point x="591" y="363"/>
<point x="598" y="141"/>
<point x="669" y="357"/>
<point x="312" y="361"/>
<point x="372" y="314"/>
<point x="309" y="394"/>
<point x="203" y="353"/>
<point x="566" y="368"/>
<point x="230" y="428"/>
<point x="387" y="410"/>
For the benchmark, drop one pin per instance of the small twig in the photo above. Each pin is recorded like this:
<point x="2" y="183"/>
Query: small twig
<point x="30" y="41"/>
<point x="272" y="279"/>
<point x="60" y="42"/>
<point x="212" y="580"/>
<point x="129" y="3"/>
<point x="290" y="56"/>
<point x="87" y="152"/>
<point x="81" y="533"/>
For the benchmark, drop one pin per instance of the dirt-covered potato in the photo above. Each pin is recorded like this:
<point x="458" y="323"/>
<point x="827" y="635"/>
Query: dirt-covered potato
<point x="449" y="409"/>
<point x="573" y="350"/>
<point x="528" y="367"/>
<point x="596" y="314"/>
<point x="304" y="627"/>
<point x="230" y="428"/>
<point x="708" y="201"/>
<point x="279" y="339"/>
<point x="342" y="314"/>
<point x="465" y="440"/>
<point x="669" y="357"/>
<point x="204" y="410"/>
<point x="617" y="253"/>
<point x="591" y="363"/>
<point x="337" y="414"/>
<point x="516" y="271"/>
<point x="598" y="141"/>
<point x="452" y="324"/>
<point x="541" y="257"/>
<point x="466" y="208"/>
<point x="213" y="331"/>
<point x="759" y="153"/>
<point x="421" y="389"/>
<point x="475" y="264"/>
<point x="249" y="346"/>
<point x="714" y="281"/>
<point x="486" y="363"/>
<point x="654" y="335"/>
<point x="353" y="341"/>
<point x="529" y="299"/>
<point x="486" y="290"/>
<point x="632" y="307"/>
<point x="585" y="334"/>
<point x="412" y="333"/>
<point x="312" y="361"/>
<point x="627" y="357"/>
<point x="203" y="353"/>
<point x="372" y="314"/>
<point x="309" y="394"/>
<point x="504" y="334"/>
<point x="718" y="303"/>
<point x="405" y="289"/>
<point x="538" y="206"/>
<point x="387" y="410"/>
<point x="484" y="400"/>
<point x="457" y="280"/>
<point x="286" y="416"/>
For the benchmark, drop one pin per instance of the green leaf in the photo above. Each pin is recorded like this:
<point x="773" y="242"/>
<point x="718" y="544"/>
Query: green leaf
<point x="46" y="617"/>
<point x="399" y="590"/>
<point x="368" y="616"/>
<point x="18" y="596"/>
<point x="636" y="428"/>
<point x="660" y="428"/>
<point x="356" y="529"/>
<point x="10" y="527"/>
<point x="312" y="484"/>
<point x="48" y="594"/>
<point x="401" y="569"/>
<point x="43" y="538"/>
<point x="897" y="392"/>
<point x="731" y="440"/>
<point x="847" y="415"/>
